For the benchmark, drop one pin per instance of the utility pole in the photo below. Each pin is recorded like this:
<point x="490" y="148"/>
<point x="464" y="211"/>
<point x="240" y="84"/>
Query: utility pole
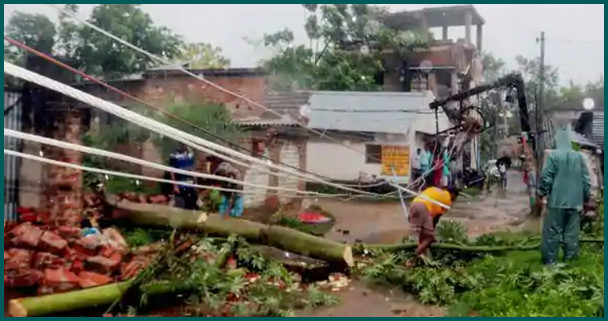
<point x="539" y="107"/>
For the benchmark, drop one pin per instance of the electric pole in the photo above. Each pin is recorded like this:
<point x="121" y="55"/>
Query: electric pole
<point x="539" y="107"/>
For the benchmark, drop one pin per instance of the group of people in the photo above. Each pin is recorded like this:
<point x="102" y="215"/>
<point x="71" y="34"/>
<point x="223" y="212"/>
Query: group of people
<point x="564" y="188"/>
<point x="434" y="168"/>
<point x="226" y="198"/>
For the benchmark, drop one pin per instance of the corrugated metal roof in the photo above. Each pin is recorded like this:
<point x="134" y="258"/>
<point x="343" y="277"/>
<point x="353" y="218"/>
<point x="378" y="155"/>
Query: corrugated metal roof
<point x="380" y="112"/>
<point x="261" y="122"/>
<point x="287" y="102"/>
<point x="598" y="128"/>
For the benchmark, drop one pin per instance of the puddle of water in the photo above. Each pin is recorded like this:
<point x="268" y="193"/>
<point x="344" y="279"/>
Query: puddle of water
<point x="367" y="300"/>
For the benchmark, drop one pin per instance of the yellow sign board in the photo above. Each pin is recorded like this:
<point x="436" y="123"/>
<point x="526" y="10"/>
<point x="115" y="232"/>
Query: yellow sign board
<point x="398" y="156"/>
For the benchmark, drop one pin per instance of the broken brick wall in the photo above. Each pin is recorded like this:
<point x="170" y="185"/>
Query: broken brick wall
<point x="62" y="196"/>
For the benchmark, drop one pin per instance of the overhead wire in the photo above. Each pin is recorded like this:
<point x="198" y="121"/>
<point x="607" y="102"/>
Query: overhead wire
<point x="153" y="125"/>
<point x="191" y="74"/>
<point x="185" y="71"/>
<point x="141" y="162"/>
<point x="141" y="101"/>
<point x="120" y="174"/>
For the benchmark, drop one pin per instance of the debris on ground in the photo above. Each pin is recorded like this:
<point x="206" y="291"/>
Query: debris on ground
<point x="54" y="259"/>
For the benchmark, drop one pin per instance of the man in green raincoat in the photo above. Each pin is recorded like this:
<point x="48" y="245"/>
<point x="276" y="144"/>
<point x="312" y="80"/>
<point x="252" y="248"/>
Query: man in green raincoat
<point x="565" y="181"/>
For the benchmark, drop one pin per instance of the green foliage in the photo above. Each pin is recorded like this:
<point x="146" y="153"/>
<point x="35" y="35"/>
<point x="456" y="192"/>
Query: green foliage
<point x="515" y="284"/>
<point x="90" y="51"/>
<point x="343" y="51"/>
<point x="451" y="232"/>
<point x="214" y="291"/>
<point x="202" y="55"/>
<point x="34" y="30"/>
<point x="101" y="56"/>
<point x="213" y="118"/>
<point x="139" y="237"/>
<point x="119" y="133"/>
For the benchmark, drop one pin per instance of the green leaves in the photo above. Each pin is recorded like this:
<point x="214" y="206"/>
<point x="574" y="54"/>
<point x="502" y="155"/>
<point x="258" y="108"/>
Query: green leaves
<point x="334" y="58"/>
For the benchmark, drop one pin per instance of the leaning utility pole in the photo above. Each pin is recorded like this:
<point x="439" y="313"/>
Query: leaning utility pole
<point x="540" y="148"/>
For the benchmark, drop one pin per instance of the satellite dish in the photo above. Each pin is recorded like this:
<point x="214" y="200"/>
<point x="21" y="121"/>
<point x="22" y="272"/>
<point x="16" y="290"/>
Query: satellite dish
<point x="426" y="66"/>
<point x="305" y="111"/>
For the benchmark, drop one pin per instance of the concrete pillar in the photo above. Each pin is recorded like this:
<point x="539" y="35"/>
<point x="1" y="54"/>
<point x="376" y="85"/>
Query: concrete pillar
<point x="479" y="37"/>
<point x="444" y="33"/>
<point x="468" y="21"/>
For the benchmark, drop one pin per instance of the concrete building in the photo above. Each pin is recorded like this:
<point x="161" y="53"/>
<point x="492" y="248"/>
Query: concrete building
<point x="373" y="131"/>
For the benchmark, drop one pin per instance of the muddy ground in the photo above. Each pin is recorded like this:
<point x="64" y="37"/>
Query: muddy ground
<point x="386" y="223"/>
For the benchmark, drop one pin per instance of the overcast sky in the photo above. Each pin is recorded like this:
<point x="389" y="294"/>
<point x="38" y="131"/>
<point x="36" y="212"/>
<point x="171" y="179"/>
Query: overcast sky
<point x="575" y="33"/>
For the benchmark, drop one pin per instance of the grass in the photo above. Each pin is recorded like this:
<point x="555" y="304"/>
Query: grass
<point x="514" y="284"/>
<point x="518" y="285"/>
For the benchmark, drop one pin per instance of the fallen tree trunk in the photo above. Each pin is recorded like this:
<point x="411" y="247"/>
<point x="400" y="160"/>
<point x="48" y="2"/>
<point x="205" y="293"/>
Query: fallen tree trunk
<point x="284" y="238"/>
<point x="360" y="248"/>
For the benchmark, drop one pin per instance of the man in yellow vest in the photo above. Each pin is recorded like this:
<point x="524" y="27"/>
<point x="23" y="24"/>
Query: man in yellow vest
<point x="425" y="211"/>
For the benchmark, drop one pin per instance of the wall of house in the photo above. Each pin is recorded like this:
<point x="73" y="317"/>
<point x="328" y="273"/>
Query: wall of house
<point x="347" y="161"/>
<point x="289" y="155"/>
<point x="287" y="150"/>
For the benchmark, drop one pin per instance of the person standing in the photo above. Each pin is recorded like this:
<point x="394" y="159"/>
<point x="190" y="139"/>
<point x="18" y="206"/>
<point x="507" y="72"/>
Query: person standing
<point x="503" y="164"/>
<point x="185" y="196"/>
<point x="231" y="203"/>
<point x="416" y="164"/>
<point x="565" y="182"/>
<point x="425" y="165"/>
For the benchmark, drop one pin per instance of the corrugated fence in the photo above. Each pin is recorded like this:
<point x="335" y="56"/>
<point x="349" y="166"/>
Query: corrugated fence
<point x="12" y="165"/>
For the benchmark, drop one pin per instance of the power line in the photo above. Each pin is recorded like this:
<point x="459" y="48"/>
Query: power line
<point x="153" y="125"/>
<point x="144" y="103"/>
<point x="185" y="71"/>
<point x="141" y="162"/>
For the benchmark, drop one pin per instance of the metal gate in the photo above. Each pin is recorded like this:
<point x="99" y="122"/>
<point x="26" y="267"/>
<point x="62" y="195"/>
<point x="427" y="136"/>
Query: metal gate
<point x="13" y="109"/>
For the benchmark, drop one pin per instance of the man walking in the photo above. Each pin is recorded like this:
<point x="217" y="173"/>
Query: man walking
<point x="565" y="181"/>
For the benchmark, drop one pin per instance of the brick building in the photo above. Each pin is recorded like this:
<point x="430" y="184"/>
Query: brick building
<point x="163" y="87"/>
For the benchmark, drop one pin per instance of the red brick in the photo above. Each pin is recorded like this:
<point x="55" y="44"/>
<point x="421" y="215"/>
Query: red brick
<point x="18" y="259"/>
<point x="43" y="260"/>
<point x="52" y="243"/>
<point x="91" y="279"/>
<point x="102" y="264"/>
<point x="60" y="280"/>
<point x="22" y="278"/>
<point x="26" y="235"/>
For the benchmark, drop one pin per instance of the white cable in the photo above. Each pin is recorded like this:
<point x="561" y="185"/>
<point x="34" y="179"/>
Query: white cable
<point x="153" y="179"/>
<point x="133" y="160"/>
<point x="115" y="173"/>
<point x="155" y="126"/>
<point x="183" y="70"/>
